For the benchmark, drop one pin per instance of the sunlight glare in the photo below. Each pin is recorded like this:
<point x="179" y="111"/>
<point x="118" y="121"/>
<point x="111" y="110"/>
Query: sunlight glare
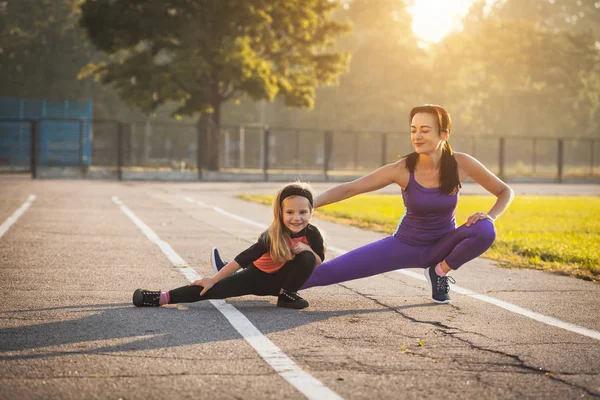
<point x="434" y="19"/>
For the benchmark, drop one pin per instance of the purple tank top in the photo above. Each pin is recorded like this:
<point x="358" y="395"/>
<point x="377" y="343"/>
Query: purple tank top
<point x="428" y="216"/>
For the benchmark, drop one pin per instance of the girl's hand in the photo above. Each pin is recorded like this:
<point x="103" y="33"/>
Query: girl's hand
<point x="476" y="217"/>
<point x="206" y="284"/>
<point x="300" y="247"/>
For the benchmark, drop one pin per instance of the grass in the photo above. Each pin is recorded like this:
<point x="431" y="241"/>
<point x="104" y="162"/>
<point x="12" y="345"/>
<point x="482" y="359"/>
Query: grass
<point x="559" y="234"/>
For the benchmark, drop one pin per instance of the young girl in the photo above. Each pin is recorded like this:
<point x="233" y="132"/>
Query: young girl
<point x="278" y="264"/>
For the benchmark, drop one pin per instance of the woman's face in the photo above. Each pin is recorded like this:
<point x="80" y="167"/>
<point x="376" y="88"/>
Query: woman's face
<point x="424" y="133"/>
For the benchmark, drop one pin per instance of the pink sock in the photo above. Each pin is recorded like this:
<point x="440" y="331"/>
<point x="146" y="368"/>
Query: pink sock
<point x="164" y="298"/>
<point x="439" y="271"/>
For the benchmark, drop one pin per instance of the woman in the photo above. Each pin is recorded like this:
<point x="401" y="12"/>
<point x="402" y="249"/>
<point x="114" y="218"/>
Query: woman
<point x="427" y="236"/>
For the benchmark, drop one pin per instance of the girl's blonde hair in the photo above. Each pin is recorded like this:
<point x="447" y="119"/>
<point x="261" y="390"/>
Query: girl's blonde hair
<point x="278" y="236"/>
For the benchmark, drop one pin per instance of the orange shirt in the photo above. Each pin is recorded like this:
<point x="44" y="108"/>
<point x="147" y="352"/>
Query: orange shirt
<point x="259" y="253"/>
<point x="266" y="264"/>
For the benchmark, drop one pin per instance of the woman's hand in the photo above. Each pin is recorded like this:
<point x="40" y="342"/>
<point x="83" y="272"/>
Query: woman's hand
<point x="478" y="216"/>
<point x="206" y="284"/>
<point x="300" y="247"/>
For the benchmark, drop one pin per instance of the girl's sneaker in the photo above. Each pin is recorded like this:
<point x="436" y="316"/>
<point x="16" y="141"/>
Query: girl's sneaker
<point x="215" y="260"/>
<point x="291" y="300"/>
<point x="146" y="298"/>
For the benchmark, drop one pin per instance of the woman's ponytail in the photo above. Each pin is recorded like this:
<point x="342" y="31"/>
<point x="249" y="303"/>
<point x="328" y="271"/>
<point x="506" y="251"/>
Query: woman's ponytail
<point x="449" y="179"/>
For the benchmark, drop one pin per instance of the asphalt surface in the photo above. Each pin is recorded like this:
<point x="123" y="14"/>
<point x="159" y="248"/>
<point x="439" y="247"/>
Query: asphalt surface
<point x="68" y="330"/>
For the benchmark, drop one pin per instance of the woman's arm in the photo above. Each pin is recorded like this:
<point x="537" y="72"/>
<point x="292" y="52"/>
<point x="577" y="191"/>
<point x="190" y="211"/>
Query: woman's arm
<point x="490" y="182"/>
<point x="377" y="179"/>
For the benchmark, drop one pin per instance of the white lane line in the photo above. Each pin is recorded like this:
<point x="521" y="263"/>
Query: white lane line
<point x="516" y="309"/>
<point x="282" y="364"/>
<point x="226" y="213"/>
<point x="488" y="299"/>
<point x="164" y="246"/>
<point x="15" y="216"/>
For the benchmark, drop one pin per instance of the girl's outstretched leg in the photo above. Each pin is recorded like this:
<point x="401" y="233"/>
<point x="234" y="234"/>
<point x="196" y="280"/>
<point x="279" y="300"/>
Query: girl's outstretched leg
<point x="247" y="281"/>
<point x="385" y="255"/>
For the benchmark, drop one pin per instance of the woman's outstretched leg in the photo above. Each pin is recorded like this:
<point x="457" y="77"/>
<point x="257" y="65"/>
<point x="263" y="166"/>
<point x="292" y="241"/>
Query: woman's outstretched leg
<point x="385" y="255"/>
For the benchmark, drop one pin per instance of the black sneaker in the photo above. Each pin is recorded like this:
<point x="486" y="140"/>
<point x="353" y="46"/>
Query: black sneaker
<point x="215" y="260"/>
<point x="146" y="298"/>
<point x="439" y="286"/>
<point x="291" y="300"/>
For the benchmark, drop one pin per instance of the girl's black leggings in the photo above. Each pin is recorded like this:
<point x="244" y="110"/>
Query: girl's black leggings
<point x="252" y="280"/>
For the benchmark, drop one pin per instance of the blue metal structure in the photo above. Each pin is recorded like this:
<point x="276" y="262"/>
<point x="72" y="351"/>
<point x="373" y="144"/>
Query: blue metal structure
<point x="63" y="132"/>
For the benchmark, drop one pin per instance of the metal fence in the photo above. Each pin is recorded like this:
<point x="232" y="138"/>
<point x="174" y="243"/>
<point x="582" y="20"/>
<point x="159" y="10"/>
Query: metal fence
<point x="134" y="150"/>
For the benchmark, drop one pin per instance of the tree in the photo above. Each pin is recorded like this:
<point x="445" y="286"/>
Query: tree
<point x="41" y="49"/>
<point x="519" y="76"/>
<point x="573" y="15"/>
<point x="203" y="53"/>
<point x="387" y="73"/>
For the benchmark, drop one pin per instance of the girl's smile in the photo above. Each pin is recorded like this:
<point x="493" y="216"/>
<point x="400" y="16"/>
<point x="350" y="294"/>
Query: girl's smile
<point x="296" y="213"/>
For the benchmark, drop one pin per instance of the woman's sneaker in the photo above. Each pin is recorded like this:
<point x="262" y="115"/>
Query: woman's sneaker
<point x="439" y="286"/>
<point x="291" y="300"/>
<point x="146" y="298"/>
<point x="215" y="260"/>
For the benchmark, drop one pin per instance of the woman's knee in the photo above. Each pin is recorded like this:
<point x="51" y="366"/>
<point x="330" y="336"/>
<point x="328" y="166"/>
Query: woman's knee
<point x="485" y="231"/>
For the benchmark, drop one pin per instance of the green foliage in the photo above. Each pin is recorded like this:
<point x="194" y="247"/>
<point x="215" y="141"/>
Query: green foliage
<point x="41" y="49"/>
<point x="574" y="15"/>
<point x="385" y="77"/>
<point x="514" y="73"/>
<point x="525" y="68"/>
<point x="203" y="53"/>
<point x="546" y="232"/>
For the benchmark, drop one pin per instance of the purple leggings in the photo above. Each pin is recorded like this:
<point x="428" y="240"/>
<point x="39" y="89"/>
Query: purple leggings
<point x="456" y="247"/>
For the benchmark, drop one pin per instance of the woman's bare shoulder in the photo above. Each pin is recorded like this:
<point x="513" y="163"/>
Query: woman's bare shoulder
<point x="464" y="158"/>
<point x="401" y="172"/>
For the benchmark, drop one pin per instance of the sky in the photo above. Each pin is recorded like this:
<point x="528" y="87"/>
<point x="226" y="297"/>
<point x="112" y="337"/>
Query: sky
<point x="434" y="19"/>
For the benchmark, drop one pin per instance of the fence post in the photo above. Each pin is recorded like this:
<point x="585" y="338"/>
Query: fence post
<point x="501" y="159"/>
<point x="560" y="160"/>
<point x="297" y="154"/>
<point x="384" y="149"/>
<point x="355" y="151"/>
<point x="199" y="149"/>
<point x="119" y="150"/>
<point x="534" y="155"/>
<point x="242" y="160"/>
<point x="81" y="135"/>
<point x="591" y="158"/>
<point x="33" y="126"/>
<point x="328" y="147"/>
<point x="266" y="139"/>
